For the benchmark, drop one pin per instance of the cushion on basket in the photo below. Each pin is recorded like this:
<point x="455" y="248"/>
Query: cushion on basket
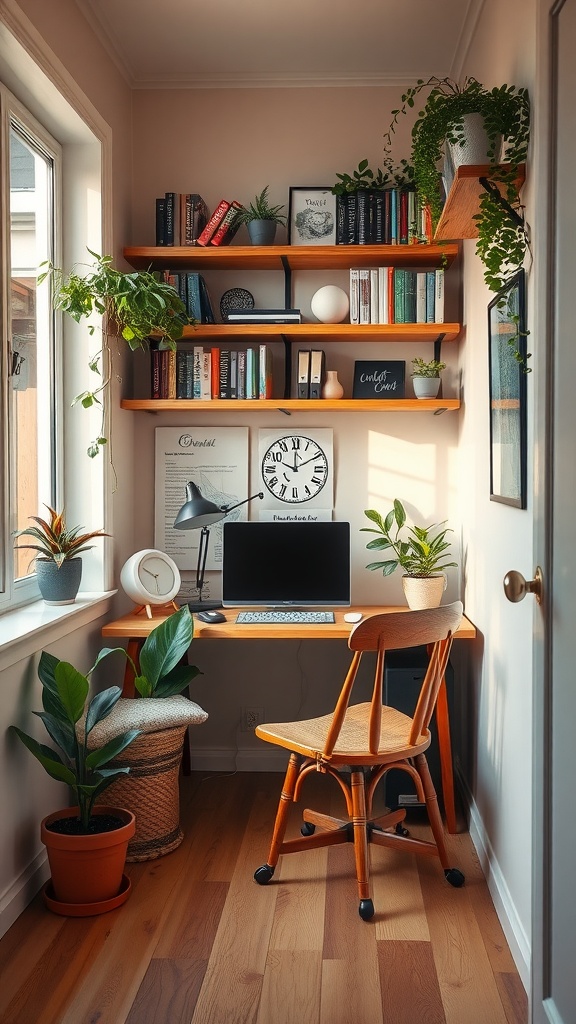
<point x="148" y="714"/>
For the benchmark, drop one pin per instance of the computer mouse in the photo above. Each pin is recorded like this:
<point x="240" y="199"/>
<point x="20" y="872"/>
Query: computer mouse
<point x="352" y="616"/>
<point x="211" y="616"/>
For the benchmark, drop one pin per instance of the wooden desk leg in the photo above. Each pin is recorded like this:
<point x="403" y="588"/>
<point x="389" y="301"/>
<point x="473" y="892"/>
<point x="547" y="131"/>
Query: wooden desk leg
<point x="445" y="747"/>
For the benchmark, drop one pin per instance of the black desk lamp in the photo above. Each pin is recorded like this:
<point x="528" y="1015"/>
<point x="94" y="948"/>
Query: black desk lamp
<point x="197" y="513"/>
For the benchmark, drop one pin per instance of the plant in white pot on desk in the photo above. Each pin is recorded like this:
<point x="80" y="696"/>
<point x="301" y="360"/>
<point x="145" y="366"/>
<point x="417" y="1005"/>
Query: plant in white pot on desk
<point x="426" y="377"/>
<point x="58" y="565"/>
<point x="422" y="552"/>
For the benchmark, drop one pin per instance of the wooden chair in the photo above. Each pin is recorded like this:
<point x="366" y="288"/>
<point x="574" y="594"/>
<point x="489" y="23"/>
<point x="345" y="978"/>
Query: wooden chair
<point x="359" y="743"/>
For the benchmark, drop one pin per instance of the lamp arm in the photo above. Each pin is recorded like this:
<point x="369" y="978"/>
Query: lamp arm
<point x="230" y="508"/>
<point x="202" y="553"/>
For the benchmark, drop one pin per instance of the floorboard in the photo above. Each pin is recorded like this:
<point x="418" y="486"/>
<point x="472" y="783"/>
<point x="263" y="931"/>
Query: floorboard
<point x="198" y="942"/>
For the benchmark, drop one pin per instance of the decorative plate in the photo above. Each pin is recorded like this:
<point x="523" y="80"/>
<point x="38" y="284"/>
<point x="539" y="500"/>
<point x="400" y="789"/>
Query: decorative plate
<point x="235" y="298"/>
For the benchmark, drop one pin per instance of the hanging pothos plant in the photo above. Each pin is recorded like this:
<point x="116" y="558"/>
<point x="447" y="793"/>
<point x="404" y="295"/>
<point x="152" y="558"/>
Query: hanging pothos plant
<point x="134" y="306"/>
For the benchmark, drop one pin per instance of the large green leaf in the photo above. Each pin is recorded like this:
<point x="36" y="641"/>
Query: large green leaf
<point x="176" y="681"/>
<point x="61" y="732"/>
<point x="166" y="645"/>
<point x="73" y="690"/>
<point x="111" y="749"/>
<point x="101" y="705"/>
<point x="49" y="759"/>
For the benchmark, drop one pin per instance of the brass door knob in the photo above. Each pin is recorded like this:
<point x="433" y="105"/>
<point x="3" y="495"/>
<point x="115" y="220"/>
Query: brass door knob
<point x="516" y="587"/>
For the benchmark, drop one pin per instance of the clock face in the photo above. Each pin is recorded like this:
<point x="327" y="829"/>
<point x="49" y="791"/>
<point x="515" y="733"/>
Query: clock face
<point x="294" y="468"/>
<point x="156" y="575"/>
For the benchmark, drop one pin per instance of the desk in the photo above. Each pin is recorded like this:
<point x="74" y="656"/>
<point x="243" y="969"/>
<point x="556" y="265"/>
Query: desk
<point x="137" y="627"/>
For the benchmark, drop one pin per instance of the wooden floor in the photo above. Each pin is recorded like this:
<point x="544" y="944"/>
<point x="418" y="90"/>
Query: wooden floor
<point x="199" y="942"/>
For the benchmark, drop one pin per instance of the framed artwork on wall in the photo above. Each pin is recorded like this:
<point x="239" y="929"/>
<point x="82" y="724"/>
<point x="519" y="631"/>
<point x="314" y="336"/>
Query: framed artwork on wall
<point x="507" y="362"/>
<point x="311" y="216"/>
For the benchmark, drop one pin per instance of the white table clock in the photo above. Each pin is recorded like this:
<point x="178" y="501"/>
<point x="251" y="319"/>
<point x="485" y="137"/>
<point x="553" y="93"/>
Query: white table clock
<point x="150" y="577"/>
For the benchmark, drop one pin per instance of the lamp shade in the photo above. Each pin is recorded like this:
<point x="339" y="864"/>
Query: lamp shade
<point x="197" y="511"/>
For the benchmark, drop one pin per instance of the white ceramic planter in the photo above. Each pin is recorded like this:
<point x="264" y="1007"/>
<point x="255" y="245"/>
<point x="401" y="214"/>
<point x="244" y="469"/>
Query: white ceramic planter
<point x="474" y="149"/>
<point x="424" y="591"/>
<point x="426" y="387"/>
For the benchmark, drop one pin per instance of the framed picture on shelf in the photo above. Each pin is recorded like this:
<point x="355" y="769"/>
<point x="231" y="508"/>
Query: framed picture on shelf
<point x="311" y="215"/>
<point x="507" y="361"/>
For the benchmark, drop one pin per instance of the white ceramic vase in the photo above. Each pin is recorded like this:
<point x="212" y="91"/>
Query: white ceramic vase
<point x="424" y="591"/>
<point x="332" y="387"/>
<point x="474" y="148"/>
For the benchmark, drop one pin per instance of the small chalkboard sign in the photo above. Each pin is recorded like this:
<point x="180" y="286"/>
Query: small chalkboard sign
<point x="377" y="379"/>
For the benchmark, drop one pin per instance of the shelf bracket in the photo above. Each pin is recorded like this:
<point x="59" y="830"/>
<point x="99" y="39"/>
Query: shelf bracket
<point x="496" y="194"/>
<point x="287" y="282"/>
<point x="438" y="346"/>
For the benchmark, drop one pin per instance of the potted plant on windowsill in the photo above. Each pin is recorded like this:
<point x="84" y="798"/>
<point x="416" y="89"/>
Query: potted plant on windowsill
<point x="58" y="565"/>
<point x="504" y="113"/>
<point x="421" y="551"/>
<point x="86" y="845"/>
<point x="262" y="219"/>
<point x="134" y="305"/>
<point x="426" y="377"/>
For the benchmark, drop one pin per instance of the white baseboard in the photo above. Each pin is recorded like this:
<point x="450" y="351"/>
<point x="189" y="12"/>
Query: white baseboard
<point x="17" y="897"/>
<point x="241" y="759"/>
<point x="512" y="927"/>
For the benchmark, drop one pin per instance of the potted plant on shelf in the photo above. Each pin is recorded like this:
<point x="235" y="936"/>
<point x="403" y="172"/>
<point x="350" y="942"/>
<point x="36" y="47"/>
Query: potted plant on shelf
<point x="151" y="789"/>
<point x="135" y="306"/>
<point x="58" y="565"/>
<point x="421" y="551"/>
<point x="86" y="844"/>
<point x="450" y="112"/>
<point x="426" y="377"/>
<point x="262" y="219"/>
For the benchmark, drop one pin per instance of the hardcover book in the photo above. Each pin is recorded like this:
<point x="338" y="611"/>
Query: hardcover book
<point x="206" y="383"/>
<point x="374" y="378"/>
<point x="224" y="374"/>
<point x="354" y="295"/>
<point x="251" y="373"/>
<point x="193" y="297"/>
<point x="172" y="218"/>
<point x="215" y="372"/>
<point x="265" y="386"/>
<point x="439" y="296"/>
<point x="270" y="316"/>
<point x="205" y="236"/>
<point x="364" y="292"/>
<point x="160" y="218"/>
<point x="228" y="226"/>
<point x="198" y="365"/>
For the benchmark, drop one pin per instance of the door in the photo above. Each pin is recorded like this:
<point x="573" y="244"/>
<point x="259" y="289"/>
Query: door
<point x="553" y="975"/>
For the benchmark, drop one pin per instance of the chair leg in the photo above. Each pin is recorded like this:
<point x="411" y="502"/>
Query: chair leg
<point x="286" y="798"/>
<point x="453" y="875"/>
<point x="361" y="854"/>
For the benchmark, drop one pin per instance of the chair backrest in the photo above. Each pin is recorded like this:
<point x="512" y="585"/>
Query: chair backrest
<point x="392" y="631"/>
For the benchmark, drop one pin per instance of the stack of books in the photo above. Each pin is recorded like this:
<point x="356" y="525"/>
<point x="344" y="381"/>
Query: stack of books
<point x="390" y="216"/>
<point x="223" y="224"/>
<point x="215" y="373"/>
<point x="180" y="218"/>
<point x="264" y="316"/>
<point x="393" y="295"/>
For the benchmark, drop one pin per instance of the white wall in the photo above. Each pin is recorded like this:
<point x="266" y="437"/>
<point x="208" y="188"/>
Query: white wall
<point x="498" y="538"/>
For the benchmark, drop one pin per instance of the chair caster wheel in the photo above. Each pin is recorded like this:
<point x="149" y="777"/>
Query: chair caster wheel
<point x="264" y="874"/>
<point x="401" y="830"/>
<point x="308" y="829"/>
<point x="366" y="909"/>
<point x="455" y="877"/>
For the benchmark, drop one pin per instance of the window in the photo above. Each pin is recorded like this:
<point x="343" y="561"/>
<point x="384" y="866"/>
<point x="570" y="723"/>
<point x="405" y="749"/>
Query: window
<point x="31" y="399"/>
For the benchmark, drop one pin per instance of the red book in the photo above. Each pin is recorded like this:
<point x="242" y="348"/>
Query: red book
<point x="228" y="226"/>
<point x="215" y="377"/>
<point x="214" y="222"/>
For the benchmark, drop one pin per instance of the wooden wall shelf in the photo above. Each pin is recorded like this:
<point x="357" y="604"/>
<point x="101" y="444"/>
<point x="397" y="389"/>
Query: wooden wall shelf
<point x="462" y="202"/>
<point x="349" y="333"/>
<point x="434" y="405"/>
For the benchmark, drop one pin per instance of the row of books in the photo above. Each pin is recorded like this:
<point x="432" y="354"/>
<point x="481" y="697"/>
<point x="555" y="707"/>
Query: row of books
<point x="180" y="218"/>
<point x="191" y="288"/>
<point x="393" y="295"/>
<point x="214" y="373"/>
<point x="391" y="216"/>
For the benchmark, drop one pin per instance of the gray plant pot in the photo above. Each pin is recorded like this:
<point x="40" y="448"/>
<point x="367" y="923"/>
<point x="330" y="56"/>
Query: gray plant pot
<point x="59" y="585"/>
<point x="262" y="232"/>
<point x="426" y="387"/>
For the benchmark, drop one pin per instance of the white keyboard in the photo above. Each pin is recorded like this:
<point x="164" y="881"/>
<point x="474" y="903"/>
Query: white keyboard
<point x="281" y="616"/>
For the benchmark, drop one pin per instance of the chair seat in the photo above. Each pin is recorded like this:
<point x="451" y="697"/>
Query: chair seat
<point x="308" y="737"/>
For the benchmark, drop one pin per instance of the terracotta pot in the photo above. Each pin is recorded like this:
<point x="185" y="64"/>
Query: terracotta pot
<point x="424" y="591"/>
<point x="87" y="869"/>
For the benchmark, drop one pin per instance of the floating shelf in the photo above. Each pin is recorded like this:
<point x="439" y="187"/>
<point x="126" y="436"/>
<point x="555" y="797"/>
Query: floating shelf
<point x="463" y="201"/>
<point x="328" y="332"/>
<point x="434" y="405"/>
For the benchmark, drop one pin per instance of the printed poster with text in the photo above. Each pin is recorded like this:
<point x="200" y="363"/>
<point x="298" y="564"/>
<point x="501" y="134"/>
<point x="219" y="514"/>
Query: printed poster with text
<point x="216" y="460"/>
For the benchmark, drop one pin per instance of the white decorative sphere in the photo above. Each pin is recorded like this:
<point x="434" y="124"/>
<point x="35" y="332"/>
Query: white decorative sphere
<point x="330" y="304"/>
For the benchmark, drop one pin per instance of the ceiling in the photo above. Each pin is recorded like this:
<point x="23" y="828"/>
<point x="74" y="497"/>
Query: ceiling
<point x="254" y="43"/>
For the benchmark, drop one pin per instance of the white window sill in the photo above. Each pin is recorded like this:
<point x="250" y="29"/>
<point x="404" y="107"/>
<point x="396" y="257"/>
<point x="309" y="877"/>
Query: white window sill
<point x="29" y="629"/>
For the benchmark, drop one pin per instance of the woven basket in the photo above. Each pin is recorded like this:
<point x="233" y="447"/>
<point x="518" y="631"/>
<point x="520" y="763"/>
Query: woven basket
<point x="151" y="792"/>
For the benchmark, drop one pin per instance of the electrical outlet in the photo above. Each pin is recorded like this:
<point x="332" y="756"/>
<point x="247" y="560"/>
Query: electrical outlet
<point x="251" y="717"/>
